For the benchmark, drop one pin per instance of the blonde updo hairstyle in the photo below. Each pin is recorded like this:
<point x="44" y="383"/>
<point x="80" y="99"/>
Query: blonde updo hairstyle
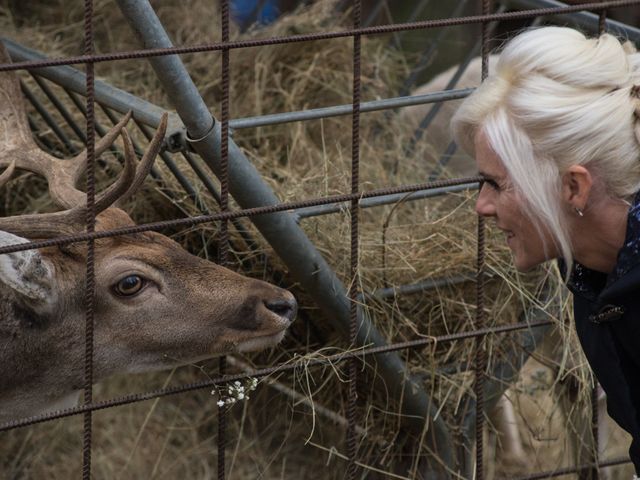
<point x="558" y="99"/>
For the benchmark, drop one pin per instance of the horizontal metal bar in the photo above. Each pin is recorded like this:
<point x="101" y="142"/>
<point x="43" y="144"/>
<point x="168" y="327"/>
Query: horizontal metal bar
<point x="339" y="110"/>
<point x="228" y="215"/>
<point x="385" y="200"/>
<point x="420" y="287"/>
<point x="586" y="20"/>
<point x="302" y="362"/>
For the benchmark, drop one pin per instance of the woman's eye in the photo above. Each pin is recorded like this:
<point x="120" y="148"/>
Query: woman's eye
<point x="492" y="183"/>
<point x="129" y="286"/>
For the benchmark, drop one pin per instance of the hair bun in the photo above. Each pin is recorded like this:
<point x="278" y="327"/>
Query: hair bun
<point x="629" y="48"/>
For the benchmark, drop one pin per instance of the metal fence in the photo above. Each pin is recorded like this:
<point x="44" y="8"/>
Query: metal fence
<point x="193" y="128"/>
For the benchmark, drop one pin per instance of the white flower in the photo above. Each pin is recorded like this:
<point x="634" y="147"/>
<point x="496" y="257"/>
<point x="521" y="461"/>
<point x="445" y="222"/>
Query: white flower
<point x="236" y="391"/>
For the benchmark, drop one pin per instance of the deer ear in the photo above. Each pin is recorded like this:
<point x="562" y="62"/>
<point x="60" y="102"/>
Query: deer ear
<point x="27" y="272"/>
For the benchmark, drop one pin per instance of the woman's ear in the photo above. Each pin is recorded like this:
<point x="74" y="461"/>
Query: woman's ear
<point x="576" y="186"/>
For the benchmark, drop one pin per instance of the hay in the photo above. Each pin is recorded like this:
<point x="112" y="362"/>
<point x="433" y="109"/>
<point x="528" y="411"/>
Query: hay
<point x="273" y="436"/>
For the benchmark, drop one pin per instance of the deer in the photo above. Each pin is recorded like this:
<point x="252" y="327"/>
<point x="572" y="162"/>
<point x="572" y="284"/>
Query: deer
<point x="156" y="305"/>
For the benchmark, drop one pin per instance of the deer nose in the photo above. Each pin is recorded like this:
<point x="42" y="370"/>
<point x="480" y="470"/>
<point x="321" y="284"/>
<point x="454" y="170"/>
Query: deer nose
<point x="284" y="307"/>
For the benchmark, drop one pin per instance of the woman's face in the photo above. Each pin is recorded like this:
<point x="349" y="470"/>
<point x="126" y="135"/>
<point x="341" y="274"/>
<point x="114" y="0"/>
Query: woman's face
<point x="499" y="199"/>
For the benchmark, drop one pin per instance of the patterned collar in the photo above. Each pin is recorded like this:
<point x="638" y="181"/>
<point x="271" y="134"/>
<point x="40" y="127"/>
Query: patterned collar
<point x="590" y="283"/>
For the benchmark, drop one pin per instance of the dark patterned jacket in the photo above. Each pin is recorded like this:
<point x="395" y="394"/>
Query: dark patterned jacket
<point x="607" y="316"/>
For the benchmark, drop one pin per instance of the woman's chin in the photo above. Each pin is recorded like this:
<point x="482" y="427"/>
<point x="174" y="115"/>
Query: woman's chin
<point x="524" y="265"/>
<point x="524" y="268"/>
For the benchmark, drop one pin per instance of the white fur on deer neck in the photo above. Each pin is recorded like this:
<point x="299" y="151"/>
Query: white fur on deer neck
<point x="26" y="271"/>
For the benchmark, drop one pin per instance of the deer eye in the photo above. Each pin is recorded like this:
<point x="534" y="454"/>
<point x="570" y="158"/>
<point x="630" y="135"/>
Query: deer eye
<point x="129" y="285"/>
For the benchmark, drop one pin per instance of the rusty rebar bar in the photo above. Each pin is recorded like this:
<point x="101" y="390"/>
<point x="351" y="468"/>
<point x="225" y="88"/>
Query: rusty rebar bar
<point x="90" y="285"/>
<point x="481" y="358"/>
<point x="223" y="234"/>
<point x="354" y="227"/>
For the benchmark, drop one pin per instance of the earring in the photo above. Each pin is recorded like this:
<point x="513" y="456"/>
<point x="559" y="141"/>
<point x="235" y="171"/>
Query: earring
<point x="578" y="211"/>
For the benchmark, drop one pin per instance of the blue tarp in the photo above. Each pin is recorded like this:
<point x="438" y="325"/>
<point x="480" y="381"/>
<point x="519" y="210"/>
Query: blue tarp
<point x="247" y="12"/>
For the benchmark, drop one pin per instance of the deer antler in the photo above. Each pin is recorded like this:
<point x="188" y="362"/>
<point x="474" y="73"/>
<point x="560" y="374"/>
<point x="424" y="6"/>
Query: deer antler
<point x="144" y="167"/>
<point x="7" y="174"/>
<point x="19" y="150"/>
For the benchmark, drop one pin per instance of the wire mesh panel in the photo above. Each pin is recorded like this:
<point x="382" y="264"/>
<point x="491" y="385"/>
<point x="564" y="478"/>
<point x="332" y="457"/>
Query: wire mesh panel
<point x="390" y="422"/>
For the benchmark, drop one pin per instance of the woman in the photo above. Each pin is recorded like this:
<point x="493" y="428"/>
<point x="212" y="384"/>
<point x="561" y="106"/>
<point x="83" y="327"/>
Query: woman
<point x="555" y="132"/>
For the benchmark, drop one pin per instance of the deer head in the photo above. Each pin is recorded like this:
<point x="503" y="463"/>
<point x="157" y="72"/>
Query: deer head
<point x="156" y="305"/>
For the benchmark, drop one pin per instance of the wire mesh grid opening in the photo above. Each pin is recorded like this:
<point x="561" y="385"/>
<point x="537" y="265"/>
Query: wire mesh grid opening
<point x="57" y="112"/>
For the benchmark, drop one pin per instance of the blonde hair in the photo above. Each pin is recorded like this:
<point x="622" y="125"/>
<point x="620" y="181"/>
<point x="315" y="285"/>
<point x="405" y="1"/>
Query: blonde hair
<point x="558" y="99"/>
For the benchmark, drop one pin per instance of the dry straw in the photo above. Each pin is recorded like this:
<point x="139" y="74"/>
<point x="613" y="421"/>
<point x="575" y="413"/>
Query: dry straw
<point x="291" y="426"/>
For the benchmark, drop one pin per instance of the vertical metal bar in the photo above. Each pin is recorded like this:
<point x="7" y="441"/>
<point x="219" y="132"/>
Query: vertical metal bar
<point x="90" y="220"/>
<point x="353" y="287"/>
<point x="223" y="243"/>
<point x="224" y="139"/>
<point x="481" y="359"/>
<point x="602" y="21"/>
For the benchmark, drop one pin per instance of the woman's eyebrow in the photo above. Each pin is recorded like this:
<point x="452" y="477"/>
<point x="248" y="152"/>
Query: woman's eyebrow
<point x="487" y="175"/>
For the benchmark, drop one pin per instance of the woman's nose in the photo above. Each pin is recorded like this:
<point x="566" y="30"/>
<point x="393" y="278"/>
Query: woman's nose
<point x="484" y="204"/>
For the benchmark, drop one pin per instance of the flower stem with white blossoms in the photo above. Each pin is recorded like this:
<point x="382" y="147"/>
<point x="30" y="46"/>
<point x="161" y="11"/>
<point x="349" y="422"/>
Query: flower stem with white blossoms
<point x="235" y="392"/>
